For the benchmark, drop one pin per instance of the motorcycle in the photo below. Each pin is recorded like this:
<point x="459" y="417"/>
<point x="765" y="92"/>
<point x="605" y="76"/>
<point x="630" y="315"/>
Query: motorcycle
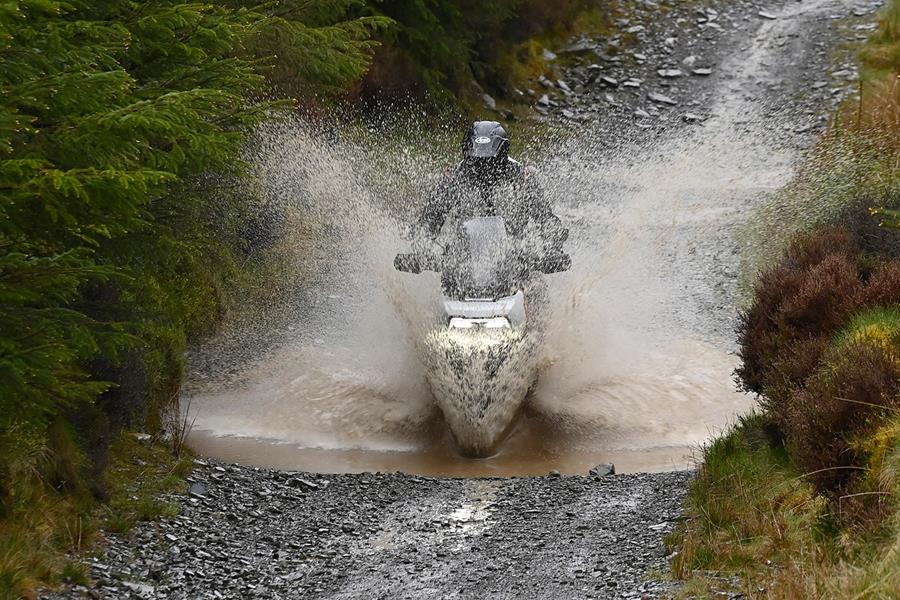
<point x="481" y="362"/>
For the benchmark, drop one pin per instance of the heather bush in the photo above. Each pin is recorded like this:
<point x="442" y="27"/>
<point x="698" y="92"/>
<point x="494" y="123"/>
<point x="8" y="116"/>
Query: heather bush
<point x="808" y="295"/>
<point x="807" y="251"/>
<point x="820" y="345"/>
<point x="846" y="398"/>
<point x="883" y="288"/>
<point x="824" y="299"/>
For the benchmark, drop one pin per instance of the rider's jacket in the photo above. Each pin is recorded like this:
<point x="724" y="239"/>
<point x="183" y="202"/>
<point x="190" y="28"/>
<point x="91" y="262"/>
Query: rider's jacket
<point x="504" y="190"/>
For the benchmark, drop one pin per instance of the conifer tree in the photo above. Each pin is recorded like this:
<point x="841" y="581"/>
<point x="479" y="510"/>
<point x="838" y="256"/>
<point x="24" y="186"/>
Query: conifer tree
<point x="113" y="117"/>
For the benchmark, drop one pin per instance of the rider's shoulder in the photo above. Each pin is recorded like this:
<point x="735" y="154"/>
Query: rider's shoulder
<point x="520" y="170"/>
<point x="524" y="172"/>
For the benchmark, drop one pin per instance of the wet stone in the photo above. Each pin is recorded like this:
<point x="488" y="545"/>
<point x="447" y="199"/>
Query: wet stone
<point x="661" y="99"/>
<point x="197" y="490"/>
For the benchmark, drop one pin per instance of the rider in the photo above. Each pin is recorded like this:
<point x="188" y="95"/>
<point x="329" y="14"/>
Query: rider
<point x="487" y="182"/>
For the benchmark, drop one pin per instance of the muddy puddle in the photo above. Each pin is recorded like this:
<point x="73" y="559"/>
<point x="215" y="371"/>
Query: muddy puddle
<point x="646" y="409"/>
<point x="523" y="454"/>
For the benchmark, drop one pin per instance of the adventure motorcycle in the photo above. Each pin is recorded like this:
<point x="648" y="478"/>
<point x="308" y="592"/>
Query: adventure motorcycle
<point x="481" y="363"/>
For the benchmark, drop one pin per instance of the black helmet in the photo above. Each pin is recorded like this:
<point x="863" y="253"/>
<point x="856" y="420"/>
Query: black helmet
<point x="485" y="139"/>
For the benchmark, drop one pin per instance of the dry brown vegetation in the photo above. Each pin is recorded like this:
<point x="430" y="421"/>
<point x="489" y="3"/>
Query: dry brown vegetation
<point x="803" y="499"/>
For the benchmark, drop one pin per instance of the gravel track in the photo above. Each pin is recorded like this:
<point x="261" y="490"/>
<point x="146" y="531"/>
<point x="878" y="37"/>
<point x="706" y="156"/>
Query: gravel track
<point x="257" y="533"/>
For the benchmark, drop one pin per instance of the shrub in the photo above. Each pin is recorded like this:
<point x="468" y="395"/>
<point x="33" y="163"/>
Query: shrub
<point x="820" y="344"/>
<point x="845" y="399"/>
<point x="808" y="295"/>
<point x="824" y="299"/>
<point x="883" y="288"/>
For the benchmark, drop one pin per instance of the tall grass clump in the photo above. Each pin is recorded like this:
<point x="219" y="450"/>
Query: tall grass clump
<point x="749" y="509"/>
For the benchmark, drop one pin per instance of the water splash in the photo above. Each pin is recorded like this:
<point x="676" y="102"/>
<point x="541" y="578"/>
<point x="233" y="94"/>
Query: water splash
<point x="352" y="356"/>
<point x="634" y="354"/>
<point x="479" y="380"/>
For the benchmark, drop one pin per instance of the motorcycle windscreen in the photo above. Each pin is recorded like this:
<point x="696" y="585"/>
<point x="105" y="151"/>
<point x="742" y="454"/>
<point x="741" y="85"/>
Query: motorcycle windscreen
<point x="488" y="246"/>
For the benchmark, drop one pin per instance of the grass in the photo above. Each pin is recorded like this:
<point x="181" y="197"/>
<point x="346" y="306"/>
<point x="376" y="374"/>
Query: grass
<point x="756" y="527"/>
<point x="44" y="511"/>
<point x="882" y="52"/>
<point x="878" y="326"/>
<point x="751" y="518"/>
<point x="521" y="63"/>
<point x="139" y="474"/>
<point x="44" y="528"/>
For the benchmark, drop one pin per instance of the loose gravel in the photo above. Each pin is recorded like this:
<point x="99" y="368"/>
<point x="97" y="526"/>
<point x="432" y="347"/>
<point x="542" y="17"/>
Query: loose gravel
<point x="257" y="533"/>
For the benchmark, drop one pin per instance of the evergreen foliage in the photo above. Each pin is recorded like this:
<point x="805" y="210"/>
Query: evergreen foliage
<point x="118" y="121"/>
<point x="317" y="52"/>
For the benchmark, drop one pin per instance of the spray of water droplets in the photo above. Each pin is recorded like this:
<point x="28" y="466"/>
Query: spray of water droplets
<point x="347" y="353"/>
<point x="348" y="363"/>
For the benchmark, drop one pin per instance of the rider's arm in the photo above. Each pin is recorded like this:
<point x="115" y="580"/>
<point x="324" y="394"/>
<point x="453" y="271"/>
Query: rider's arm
<point x="541" y="213"/>
<point x="552" y="231"/>
<point x="434" y="213"/>
<point x="422" y="234"/>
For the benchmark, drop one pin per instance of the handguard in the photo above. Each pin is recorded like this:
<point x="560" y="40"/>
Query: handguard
<point x="555" y="263"/>
<point x="408" y="263"/>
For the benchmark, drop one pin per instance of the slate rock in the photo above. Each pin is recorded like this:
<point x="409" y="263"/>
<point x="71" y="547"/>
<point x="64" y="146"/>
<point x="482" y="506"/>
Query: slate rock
<point x="661" y="99"/>
<point x="604" y="469"/>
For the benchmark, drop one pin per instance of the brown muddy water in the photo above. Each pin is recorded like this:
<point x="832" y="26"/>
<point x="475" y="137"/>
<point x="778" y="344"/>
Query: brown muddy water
<point x="643" y="410"/>
<point x="523" y="454"/>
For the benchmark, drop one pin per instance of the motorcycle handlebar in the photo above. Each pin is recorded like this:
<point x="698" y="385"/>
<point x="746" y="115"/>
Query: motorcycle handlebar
<point x="416" y="263"/>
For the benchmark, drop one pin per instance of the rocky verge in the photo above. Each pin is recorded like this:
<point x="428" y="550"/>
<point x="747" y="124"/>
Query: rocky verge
<point x="668" y="61"/>
<point x="256" y="533"/>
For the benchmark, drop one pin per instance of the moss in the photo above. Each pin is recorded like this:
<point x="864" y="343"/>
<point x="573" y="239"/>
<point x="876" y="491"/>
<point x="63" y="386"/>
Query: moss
<point x="878" y="327"/>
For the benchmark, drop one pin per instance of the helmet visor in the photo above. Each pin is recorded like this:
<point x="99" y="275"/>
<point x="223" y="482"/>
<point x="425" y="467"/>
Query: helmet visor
<point x="484" y="146"/>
